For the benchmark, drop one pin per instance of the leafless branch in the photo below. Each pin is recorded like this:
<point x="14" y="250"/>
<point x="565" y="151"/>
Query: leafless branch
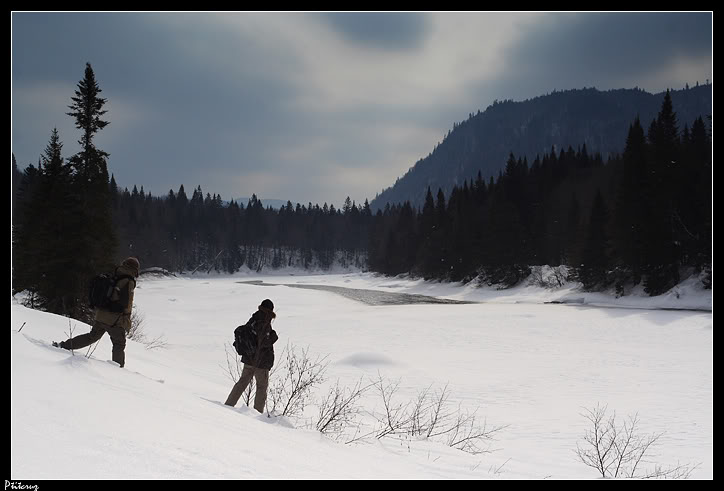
<point x="92" y="349"/>
<point x="136" y="332"/>
<point x="291" y="390"/>
<point x="234" y="366"/>
<point x="395" y="418"/>
<point x="69" y="335"/>
<point x="159" y="342"/>
<point x="338" y="411"/>
<point x="497" y="470"/>
<point x="619" y="451"/>
<point x="468" y="436"/>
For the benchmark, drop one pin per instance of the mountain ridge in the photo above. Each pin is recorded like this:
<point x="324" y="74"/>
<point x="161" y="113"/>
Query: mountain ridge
<point x="597" y="119"/>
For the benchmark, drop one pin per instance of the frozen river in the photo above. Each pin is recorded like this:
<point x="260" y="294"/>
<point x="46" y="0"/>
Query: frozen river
<point x="369" y="297"/>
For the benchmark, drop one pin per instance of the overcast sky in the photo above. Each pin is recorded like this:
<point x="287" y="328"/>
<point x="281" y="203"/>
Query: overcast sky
<point x="314" y="107"/>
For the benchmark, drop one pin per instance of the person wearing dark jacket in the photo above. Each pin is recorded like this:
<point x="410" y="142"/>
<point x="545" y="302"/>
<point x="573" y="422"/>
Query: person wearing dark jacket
<point x="116" y="323"/>
<point x="258" y="362"/>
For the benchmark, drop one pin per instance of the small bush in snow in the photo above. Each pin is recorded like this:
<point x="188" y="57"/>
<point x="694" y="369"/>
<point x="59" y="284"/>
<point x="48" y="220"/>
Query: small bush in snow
<point x="428" y="416"/>
<point x="291" y="382"/>
<point x="621" y="451"/>
<point x="136" y="332"/>
<point x="338" y="410"/>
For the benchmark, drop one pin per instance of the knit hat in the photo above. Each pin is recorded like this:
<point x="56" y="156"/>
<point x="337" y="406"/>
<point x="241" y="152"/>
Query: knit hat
<point x="267" y="304"/>
<point x="132" y="263"/>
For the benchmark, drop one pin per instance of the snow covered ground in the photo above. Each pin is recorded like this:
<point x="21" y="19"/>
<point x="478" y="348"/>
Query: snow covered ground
<point x="526" y="365"/>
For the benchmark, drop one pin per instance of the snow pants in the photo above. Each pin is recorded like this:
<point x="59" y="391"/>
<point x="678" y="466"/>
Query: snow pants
<point x="262" y="383"/>
<point x="117" y="334"/>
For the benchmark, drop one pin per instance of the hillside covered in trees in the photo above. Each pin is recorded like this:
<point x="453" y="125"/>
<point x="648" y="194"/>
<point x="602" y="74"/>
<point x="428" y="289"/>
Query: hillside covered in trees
<point x="481" y="144"/>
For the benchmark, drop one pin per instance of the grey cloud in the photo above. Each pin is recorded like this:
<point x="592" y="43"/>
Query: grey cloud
<point x="387" y="30"/>
<point x="572" y="50"/>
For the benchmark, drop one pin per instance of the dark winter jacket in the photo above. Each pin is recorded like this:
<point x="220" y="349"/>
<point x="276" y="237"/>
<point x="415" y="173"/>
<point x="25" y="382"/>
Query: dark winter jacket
<point x="123" y="295"/>
<point x="265" y="337"/>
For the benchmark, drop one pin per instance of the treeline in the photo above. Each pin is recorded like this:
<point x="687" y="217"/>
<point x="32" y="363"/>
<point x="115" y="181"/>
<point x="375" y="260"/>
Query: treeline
<point x="202" y="233"/>
<point x="640" y="217"/>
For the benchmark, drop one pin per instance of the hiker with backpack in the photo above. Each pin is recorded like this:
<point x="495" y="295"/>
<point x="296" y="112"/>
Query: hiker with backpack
<point x="254" y="341"/>
<point x="112" y="297"/>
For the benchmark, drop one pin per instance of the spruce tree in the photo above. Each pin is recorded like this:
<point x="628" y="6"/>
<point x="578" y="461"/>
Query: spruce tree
<point x="426" y="258"/>
<point x="62" y="215"/>
<point x="87" y="108"/>
<point x="94" y="240"/>
<point x="663" y="251"/>
<point x="595" y="263"/>
<point x="632" y="208"/>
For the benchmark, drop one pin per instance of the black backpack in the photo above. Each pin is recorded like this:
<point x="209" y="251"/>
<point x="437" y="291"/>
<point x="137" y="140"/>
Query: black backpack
<point x="100" y="291"/>
<point x="245" y="340"/>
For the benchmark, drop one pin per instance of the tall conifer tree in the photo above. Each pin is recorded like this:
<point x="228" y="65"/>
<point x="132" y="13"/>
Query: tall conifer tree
<point x="94" y="239"/>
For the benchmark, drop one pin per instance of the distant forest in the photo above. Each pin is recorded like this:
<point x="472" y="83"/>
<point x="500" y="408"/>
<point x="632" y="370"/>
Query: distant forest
<point x="640" y="217"/>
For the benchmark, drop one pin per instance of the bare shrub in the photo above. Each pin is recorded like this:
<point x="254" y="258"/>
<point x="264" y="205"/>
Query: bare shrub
<point x="419" y="408"/>
<point x="428" y="416"/>
<point x="620" y="451"/>
<point x="234" y="366"/>
<point x="467" y="434"/>
<point x="292" y="381"/>
<point x="395" y="418"/>
<point x="159" y="342"/>
<point x="338" y="411"/>
<point x="137" y="331"/>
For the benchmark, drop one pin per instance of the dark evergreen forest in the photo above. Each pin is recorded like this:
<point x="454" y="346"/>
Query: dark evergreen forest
<point x="482" y="143"/>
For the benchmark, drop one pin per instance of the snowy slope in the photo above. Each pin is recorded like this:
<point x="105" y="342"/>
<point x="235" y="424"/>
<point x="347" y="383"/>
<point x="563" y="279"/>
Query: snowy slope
<point x="530" y="367"/>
